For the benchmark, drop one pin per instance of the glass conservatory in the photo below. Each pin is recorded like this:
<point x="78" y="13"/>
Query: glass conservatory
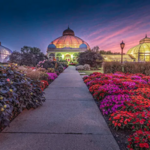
<point x="141" y="52"/>
<point x="67" y="47"/>
<point x="4" y="53"/>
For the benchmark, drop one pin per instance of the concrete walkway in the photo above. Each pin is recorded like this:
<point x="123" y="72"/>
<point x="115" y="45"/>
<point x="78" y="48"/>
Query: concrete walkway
<point x="68" y="120"/>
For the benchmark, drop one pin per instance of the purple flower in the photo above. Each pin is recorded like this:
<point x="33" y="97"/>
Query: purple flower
<point x="52" y="76"/>
<point x="111" y="103"/>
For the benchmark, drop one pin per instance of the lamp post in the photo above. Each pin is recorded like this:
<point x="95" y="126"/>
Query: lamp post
<point x="122" y="47"/>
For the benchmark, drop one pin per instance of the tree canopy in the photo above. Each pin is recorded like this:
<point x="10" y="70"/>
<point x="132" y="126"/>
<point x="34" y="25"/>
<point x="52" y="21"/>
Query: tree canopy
<point x="29" y="56"/>
<point x="94" y="59"/>
<point x="97" y="49"/>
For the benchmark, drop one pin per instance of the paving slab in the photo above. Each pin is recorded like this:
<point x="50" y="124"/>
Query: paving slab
<point x="68" y="93"/>
<point x="68" y="84"/>
<point x="61" y="117"/>
<point x="56" y="142"/>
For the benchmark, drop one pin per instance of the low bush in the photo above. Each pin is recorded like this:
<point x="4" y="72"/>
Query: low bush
<point x="86" y="67"/>
<point x="80" y="67"/>
<point x="139" y="140"/>
<point x="44" y="84"/>
<point x="51" y="70"/>
<point x="34" y="75"/>
<point x="17" y="92"/>
<point x="42" y="70"/>
<point x="52" y="76"/>
<point x="43" y="76"/>
<point x="112" y="103"/>
<point x="58" y="67"/>
<point x="121" y="119"/>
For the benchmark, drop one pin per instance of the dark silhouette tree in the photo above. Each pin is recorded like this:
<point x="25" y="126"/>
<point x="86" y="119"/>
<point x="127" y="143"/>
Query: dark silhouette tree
<point x="95" y="48"/>
<point x="29" y="56"/>
<point x="92" y="58"/>
<point x="16" y="57"/>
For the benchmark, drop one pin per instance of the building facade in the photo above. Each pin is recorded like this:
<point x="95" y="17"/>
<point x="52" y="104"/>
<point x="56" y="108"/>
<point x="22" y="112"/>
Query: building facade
<point x="66" y="47"/>
<point x="141" y="52"/>
<point x="4" y="53"/>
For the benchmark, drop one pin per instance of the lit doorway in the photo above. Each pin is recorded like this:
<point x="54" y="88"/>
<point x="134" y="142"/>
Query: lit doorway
<point x="68" y="58"/>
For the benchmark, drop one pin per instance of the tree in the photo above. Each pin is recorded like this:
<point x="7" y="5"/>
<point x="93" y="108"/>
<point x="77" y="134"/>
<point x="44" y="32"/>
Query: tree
<point x="116" y="53"/>
<point x="102" y="52"/>
<point x="31" y="50"/>
<point x="95" y="49"/>
<point x="28" y="59"/>
<point x="109" y="52"/>
<point x="35" y="50"/>
<point x="15" y="57"/>
<point x="29" y="56"/>
<point x="25" y="49"/>
<point x="92" y="58"/>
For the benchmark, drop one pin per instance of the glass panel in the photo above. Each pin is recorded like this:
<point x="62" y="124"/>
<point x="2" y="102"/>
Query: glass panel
<point x="4" y="54"/>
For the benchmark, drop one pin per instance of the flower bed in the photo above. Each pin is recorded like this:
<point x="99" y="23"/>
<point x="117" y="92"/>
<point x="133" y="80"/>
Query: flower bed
<point x="17" y="92"/>
<point x="124" y="99"/>
<point x="44" y="75"/>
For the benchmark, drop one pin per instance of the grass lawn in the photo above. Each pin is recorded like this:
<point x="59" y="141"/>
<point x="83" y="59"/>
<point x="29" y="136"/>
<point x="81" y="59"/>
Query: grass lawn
<point x="88" y="72"/>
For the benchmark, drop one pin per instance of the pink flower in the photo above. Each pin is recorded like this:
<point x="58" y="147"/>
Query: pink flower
<point x="8" y="80"/>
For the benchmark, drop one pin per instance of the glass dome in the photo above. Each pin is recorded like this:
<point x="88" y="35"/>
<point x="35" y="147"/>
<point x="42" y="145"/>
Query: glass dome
<point x="51" y="46"/>
<point x="69" y="40"/>
<point x="141" y="52"/>
<point x="68" y="32"/>
<point x="83" y="46"/>
<point x="4" y="53"/>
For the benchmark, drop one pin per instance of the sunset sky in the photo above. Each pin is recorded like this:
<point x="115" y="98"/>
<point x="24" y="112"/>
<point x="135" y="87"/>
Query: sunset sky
<point x="104" y="23"/>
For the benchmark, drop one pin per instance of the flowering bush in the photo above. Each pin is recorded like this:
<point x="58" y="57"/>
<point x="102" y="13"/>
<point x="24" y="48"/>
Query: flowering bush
<point x="51" y="64"/>
<point x="44" y="84"/>
<point x="52" y="76"/>
<point x="136" y="104"/>
<point x="104" y="90"/>
<point x="17" y="92"/>
<point x="111" y="103"/>
<point x="94" y="87"/>
<point x="145" y="92"/>
<point x="139" y="140"/>
<point x="141" y="121"/>
<point x="121" y="119"/>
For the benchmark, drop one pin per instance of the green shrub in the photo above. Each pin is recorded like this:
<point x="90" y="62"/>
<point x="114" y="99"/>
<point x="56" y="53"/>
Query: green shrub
<point x="34" y="75"/>
<point x="43" y="76"/>
<point x="42" y="70"/>
<point x="51" y="70"/>
<point x="92" y="58"/>
<point x="17" y="92"/>
<point x="51" y="64"/>
<point x="128" y="67"/>
<point x="86" y="67"/>
<point x="112" y="67"/>
<point x="60" y="69"/>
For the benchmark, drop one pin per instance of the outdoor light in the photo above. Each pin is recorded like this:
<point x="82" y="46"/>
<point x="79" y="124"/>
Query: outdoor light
<point x="122" y="47"/>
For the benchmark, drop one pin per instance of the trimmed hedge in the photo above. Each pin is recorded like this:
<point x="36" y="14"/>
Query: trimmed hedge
<point x="128" y="67"/>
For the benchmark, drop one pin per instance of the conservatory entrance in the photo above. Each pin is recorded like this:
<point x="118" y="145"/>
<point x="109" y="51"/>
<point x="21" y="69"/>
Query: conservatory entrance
<point x="68" y="58"/>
